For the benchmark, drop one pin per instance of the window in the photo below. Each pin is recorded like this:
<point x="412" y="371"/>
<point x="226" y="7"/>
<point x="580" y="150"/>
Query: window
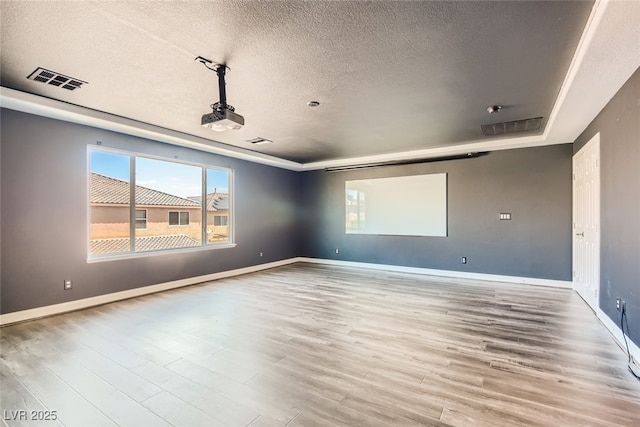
<point x="178" y="218"/>
<point x="141" y="218"/>
<point x="142" y="204"/>
<point x="109" y="203"/>
<point x="171" y="191"/>
<point x="218" y="206"/>
<point x="220" y="221"/>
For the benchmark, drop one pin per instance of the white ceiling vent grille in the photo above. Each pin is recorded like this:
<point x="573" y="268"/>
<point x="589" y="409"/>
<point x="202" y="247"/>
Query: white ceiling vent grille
<point x="525" y="125"/>
<point x="56" y="79"/>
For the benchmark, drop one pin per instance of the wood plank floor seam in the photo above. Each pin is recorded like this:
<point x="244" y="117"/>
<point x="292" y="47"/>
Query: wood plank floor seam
<point x="317" y="345"/>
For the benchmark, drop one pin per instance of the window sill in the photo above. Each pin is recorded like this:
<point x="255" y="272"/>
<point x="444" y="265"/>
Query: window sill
<point x="123" y="256"/>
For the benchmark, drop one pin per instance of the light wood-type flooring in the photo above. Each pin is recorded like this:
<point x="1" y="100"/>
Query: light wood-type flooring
<point x="311" y="345"/>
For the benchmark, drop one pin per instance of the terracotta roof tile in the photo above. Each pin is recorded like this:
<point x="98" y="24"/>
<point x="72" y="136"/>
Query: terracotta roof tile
<point x="217" y="202"/>
<point x="107" y="190"/>
<point x="143" y="244"/>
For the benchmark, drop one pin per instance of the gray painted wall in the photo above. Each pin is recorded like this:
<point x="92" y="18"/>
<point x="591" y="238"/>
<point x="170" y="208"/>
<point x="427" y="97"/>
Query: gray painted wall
<point x="44" y="214"/>
<point x="619" y="127"/>
<point x="533" y="184"/>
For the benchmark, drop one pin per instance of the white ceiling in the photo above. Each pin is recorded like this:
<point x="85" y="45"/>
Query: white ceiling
<point x="395" y="80"/>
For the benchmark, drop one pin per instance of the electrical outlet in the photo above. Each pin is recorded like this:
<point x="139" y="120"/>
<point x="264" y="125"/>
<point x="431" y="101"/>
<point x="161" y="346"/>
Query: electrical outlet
<point x="618" y="304"/>
<point x="337" y="250"/>
<point x="260" y="253"/>
<point x="463" y="260"/>
<point x="68" y="285"/>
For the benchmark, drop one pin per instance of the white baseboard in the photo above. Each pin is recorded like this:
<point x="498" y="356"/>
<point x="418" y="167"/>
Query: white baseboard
<point x="615" y="330"/>
<point x="50" y="310"/>
<point x="444" y="273"/>
<point x="34" y="313"/>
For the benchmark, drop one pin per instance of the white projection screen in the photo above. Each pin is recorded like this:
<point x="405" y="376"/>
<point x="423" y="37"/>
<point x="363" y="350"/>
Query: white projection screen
<point x="402" y="206"/>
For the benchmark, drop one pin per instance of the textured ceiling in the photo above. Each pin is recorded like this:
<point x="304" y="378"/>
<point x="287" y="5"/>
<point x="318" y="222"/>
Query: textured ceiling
<point x="390" y="76"/>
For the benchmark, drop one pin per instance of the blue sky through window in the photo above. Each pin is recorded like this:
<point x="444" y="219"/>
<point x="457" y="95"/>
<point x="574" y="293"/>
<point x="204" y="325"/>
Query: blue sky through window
<point x="169" y="177"/>
<point x="110" y="164"/>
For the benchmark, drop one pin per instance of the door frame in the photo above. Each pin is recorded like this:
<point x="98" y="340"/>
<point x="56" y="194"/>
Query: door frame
<point x="592" y="300"/>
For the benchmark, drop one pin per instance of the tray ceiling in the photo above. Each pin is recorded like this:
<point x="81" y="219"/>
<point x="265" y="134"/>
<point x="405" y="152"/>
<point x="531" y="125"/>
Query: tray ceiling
<point x="390" y="77"/>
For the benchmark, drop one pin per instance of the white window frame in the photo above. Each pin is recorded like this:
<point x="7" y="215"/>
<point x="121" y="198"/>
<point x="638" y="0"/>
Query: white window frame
<point x="132" y="253"/>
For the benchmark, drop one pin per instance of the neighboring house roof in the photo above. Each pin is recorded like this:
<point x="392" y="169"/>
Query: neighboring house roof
<point x="107" y="190"/>
<point x="147" y="243"/>
<point x="217" y="202"/>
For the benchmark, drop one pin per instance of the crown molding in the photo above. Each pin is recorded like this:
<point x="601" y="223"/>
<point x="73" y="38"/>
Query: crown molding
<point x="51" y="108"/>
<point x="607" y="55"/>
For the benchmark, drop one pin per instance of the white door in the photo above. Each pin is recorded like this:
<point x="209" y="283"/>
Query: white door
<point x="586" y="221"/>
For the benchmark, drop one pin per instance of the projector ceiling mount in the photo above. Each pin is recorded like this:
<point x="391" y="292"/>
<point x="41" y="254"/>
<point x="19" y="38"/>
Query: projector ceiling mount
<point x="223" y="116"/>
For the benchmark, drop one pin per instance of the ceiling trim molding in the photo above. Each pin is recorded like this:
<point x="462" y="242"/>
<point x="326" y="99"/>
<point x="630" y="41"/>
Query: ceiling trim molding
<point x="51" y="108"/>
<point x="583" y="84"/>
<point x="607" y="56"/>
<point x="590" y="29"/>
<point x="448" y="150"/>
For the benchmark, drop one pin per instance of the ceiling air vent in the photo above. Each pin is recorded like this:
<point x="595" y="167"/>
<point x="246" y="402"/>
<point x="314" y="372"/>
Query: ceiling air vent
<point x="56" y="79"/>
<point x="525" y="125"/>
